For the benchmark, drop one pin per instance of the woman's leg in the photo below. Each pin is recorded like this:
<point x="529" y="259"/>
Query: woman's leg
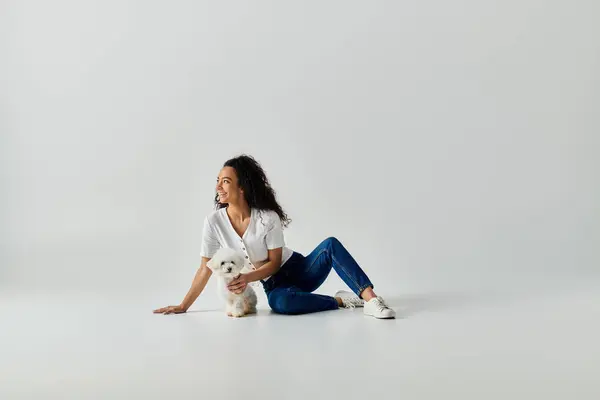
<point x="331" y="253"/>
<point x="294" y="301"/>
<point x="290" y="292"/>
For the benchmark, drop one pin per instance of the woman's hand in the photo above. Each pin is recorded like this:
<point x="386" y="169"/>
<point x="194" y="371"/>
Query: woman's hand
<point x="238" y="284"/>
<point x="170" y="310"/>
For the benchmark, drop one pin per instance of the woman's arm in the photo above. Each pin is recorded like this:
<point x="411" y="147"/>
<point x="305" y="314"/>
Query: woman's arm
<point x="198" y="284"/>
<point x="267" y="269"/>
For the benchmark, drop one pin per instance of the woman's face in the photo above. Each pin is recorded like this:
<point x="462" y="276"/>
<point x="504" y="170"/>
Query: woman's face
<point x="227" y="186"/>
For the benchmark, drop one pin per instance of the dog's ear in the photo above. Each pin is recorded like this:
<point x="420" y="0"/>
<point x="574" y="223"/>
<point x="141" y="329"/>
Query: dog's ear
<point x="211" y="264"/>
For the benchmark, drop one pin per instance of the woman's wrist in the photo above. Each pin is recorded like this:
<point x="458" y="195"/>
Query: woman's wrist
<point x="259" y="274"/>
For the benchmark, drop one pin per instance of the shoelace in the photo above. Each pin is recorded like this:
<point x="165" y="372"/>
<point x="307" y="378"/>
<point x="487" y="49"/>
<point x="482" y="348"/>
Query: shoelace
<point x="351" y="302"/>
<point x="380" y="304"/>
<point x="348" y="303"/>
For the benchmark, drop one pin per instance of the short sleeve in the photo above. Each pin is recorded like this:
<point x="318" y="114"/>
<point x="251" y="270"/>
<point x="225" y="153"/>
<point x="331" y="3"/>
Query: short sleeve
<point x="210" y="243"/>
<point x="274" y="238"/>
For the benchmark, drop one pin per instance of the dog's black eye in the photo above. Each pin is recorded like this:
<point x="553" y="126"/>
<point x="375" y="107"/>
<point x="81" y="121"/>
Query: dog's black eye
<point x="222" y="263"/>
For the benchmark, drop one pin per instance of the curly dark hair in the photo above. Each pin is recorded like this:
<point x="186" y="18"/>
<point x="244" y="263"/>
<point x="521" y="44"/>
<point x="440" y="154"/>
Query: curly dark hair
<point x="257" y="190"/>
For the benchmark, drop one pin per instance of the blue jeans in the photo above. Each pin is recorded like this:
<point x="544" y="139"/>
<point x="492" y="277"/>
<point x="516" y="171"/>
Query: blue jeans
<point x="289" y="289"/>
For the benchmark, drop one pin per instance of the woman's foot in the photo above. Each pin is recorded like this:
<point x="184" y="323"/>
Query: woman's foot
<point x="374" y="307"/>
<point x="377" y="308"/>
<point x="348" y="299"/>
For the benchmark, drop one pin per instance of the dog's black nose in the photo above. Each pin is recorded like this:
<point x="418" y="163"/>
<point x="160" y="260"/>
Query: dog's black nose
<point x="229" y="269"/>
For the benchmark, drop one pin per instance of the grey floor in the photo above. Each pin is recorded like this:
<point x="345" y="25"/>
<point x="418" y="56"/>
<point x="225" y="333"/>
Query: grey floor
<point x="539" y="345"/>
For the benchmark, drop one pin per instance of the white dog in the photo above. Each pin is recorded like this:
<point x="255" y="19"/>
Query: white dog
<point x="227" y="264"/>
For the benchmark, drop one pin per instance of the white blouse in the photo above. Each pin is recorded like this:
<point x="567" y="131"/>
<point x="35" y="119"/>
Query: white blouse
<point x="264" y="233"/>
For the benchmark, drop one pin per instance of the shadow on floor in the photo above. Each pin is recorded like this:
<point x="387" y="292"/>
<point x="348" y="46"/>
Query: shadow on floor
<point x="405" y="305"/>
<point x="208" y="310"/>
<point x="408" y="305"/>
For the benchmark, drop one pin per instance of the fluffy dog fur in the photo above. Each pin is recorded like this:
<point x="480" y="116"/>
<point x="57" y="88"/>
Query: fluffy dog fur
<point x="227" y="264"/>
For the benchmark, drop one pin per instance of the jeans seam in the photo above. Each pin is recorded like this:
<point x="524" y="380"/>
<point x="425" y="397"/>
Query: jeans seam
<point x="315" y="259"/>
<point x="345" y="270"/>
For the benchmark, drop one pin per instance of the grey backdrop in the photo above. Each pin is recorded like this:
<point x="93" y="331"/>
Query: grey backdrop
<point x="448" y="145"/>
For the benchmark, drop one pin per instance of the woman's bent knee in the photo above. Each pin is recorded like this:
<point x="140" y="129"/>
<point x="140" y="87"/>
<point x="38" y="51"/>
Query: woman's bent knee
<point x="332" y="241"/>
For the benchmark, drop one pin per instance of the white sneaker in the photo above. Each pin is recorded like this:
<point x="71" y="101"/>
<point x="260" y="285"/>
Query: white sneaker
<point x="349" y="299"/>
<point x="377" y="308"/>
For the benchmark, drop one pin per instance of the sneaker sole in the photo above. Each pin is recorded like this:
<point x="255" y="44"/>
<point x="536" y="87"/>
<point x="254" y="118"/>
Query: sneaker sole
<point x="375" y="316"/>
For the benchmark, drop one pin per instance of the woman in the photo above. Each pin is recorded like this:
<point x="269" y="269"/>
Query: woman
<point x="249" y="218"/>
